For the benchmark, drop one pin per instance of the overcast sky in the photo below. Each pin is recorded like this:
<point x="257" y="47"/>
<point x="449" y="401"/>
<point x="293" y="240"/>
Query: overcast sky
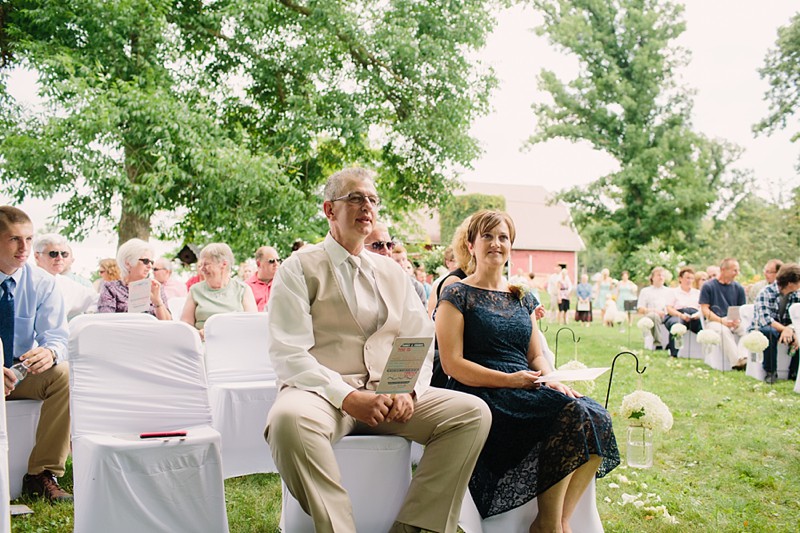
<point x="728" y="40"/>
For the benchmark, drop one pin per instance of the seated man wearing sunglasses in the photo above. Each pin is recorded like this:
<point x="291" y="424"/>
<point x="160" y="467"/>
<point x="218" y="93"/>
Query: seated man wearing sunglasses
<point x="52" y="253"/>
<point x="381" y="243"/>
<point x="267" y="263"/>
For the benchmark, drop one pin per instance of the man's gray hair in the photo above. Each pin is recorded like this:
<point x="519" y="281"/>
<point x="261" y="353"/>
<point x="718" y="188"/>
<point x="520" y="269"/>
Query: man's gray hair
<point x="217" y="252"/>
<point x="48" y="239"/>
<point x="335" y="183"/>
<point x="129" y="253"/>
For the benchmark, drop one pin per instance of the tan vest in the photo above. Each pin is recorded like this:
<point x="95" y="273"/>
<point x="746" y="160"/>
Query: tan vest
<point x="339" y="341"/>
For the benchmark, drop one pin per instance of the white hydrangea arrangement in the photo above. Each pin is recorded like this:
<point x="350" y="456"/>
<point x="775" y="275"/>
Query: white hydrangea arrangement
<point x="647" y="410"/>
<point x="755" y="341"/>
<point x="585" y="387"/>
<point x="709" y="337"/>
<point x="678" y="330"/>
<point x="645" y="323"/>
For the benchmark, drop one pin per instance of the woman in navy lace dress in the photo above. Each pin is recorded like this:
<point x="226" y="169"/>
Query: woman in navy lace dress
<point x="546" y="441"/>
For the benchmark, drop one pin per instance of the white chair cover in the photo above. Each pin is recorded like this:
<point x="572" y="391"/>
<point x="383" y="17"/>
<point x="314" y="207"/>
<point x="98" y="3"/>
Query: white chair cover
<point x="241" y="389"/>
<point x="22" y="419"/>
<point x="691" y="349"/>
<point x="376" y="472"/>
<point x="585" y="519"/>
<point x="78" y="323"/>
<point x="175" y="305"/>
<point x="5" y="494"/>
<point x="130" y="377"/>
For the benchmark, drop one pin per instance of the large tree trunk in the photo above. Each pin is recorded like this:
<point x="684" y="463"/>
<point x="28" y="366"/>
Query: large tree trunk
<point x="132" y="224"/>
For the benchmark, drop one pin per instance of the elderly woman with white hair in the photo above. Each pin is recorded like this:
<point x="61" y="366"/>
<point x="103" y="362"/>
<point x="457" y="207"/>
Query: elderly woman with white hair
<point x="218" y="293"/>
<point x="135" y="261"/>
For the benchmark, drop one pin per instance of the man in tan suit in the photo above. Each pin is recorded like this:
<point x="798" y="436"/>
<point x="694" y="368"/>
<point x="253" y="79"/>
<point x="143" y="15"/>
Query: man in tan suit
<point x="334" y="312"/>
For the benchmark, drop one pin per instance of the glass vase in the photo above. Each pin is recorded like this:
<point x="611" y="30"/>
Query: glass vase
<point x="640" y="447"/>
<point x="677" y="341"/>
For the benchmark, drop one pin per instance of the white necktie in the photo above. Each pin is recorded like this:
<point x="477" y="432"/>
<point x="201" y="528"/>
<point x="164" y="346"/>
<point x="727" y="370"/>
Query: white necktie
<point x="366" y="302"/>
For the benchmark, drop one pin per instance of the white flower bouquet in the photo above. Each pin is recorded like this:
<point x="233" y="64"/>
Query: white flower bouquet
<point x="645" y="323"/>
<point x="647" y="410"/>
<point x="708" y="337"/>
<point x="678" y="330"/>
<point x="585" y="387"/>
<point x="620" y="317"/>
<point x="755" y="341"/>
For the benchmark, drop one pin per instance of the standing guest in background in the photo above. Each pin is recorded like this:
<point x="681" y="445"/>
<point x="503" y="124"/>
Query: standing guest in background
<point x="653" y="304"/>
<point x="583" y="292"/>
<point x="773" y="320"/>
<point x="173" y="287"/>
<point x="335" y="311"/>
<point x="52" y="253"/>
<point x="683" y="307"/>
<point x="604" y="286"/>
<point x="564" y="291"/>
<point x="218" y="292"/>
<point x="552" y="292"/>
<point x="546" y="441"/>
<point x="33" y="329"/>
<point x="70" y="260"/>
<point x="626" y="292"/>
<point x="135" y="260"/>
<point x="770" y="273"/>
<point x="108" y="271"/>
<point x="267" y="263"/>
<point x="716" y="297"/>
<point x="422" y="276"/>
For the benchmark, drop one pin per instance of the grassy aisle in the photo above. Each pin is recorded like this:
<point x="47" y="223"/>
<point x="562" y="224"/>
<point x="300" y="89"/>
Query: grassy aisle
<point x="730" y="463"/>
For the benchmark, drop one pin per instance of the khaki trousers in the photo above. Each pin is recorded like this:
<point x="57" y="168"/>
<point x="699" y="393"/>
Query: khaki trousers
<point x="730" y="340"/>
<point x="302" y="426"/>
<point x="52" y="435"/>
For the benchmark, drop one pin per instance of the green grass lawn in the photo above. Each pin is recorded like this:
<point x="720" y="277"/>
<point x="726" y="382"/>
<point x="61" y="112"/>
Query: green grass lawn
<point x="730" y="463"/>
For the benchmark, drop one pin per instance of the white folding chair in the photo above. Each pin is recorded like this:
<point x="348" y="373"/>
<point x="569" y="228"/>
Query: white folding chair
<point x="376" y="472"/>
<point x="175" y="305"/>
<point x="77" y="324"/>
<point x="241" y="389"/>
<point x="754" y="368"/>
<point x="5" y="491"/>
<point x="691" y="349"/>
<point x="22" y="419"/>
<point x="585" y="519"/>
<point x="129" y="378"/>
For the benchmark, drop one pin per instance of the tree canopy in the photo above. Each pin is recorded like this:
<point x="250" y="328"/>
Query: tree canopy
<point x="230" y="114"/>
<point x="625" y="101"/>
<point x="782" y="71"/>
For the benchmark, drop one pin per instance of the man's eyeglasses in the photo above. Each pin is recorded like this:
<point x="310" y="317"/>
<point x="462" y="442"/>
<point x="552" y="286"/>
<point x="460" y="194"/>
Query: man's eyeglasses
<point x="273" y="261"/>
<point x="146" y="261"/>
<point x="380" y="245"/>
<point x="356" y="198"/>
<point x="54" y="254"/>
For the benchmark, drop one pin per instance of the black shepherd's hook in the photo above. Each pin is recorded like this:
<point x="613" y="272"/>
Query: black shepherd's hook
<point x="575" y="340"/>
<point x="611" y="377"/>
<point x="542" y="327"/>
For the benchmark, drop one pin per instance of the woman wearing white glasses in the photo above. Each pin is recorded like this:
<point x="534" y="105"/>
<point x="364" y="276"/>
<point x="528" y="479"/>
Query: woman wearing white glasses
<point x="135" y="261"/>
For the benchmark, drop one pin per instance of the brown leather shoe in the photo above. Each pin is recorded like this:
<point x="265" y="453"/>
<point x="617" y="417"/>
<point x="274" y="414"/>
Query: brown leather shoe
<point x="44" y="485"/>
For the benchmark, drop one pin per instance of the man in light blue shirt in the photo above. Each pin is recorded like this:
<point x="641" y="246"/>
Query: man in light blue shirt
<point x="33" y="327"/>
